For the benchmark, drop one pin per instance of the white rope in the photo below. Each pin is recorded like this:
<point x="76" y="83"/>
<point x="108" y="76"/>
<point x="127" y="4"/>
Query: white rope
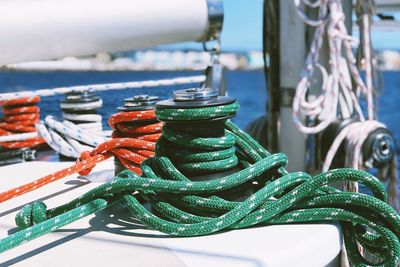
<point x="73" y="131"/>
<point x="66" y="138"/>
<point x="338" y="99"/>
<point x="353" y="135"/>
<point x="364" y="11"/>
<point x="51" y="140"/>
<point x="104" y="87"/>
<point x="337" y="96"/>
<point x="82" y="117"/>
<point x="368" y="65"/>
<point x="18" y="137"/>
<point x="83" y="106"/>
<point x="81" y="109"/>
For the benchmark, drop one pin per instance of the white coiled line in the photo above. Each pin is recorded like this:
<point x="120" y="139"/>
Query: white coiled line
<point x="67" y="139"/>
<point x="338" y="98"/>
<point x="90" y="122"/>
<point x="337" y="91"/>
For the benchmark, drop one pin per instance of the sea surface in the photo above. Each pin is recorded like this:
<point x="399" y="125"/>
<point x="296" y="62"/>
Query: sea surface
<point x="248" y="87"/>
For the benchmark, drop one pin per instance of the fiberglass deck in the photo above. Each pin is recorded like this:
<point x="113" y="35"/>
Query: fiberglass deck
<point x="113" y="238"/>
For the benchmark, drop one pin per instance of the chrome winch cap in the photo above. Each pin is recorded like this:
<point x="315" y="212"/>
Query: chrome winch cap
<point x="194" y="94"/>
<point x="81" y="102"/>
<point x="195" y="97"/>
<point x="80" y="97"/>
<point x="139" y="102"/>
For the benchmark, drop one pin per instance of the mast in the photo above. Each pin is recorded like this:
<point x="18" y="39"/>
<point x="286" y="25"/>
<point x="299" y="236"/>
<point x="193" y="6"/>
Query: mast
<point x="292" y="53"/>
<point x="271" y="70"/>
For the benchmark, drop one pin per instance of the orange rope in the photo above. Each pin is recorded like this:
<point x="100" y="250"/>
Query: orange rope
<point x="129" y="146"/>
<point x="20" y="116"/>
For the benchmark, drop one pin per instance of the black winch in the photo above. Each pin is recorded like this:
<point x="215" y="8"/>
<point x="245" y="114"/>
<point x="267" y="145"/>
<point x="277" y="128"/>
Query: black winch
<point x="210" y="127"/>
<point x="13" y="156"/>
<point x="378" y="149"/>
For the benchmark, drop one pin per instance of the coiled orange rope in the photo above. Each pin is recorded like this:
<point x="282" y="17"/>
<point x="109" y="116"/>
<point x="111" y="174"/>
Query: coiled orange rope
<point x="20" y="116"/>
<point x="130" y="144"/>
<point x="140" y="125"/>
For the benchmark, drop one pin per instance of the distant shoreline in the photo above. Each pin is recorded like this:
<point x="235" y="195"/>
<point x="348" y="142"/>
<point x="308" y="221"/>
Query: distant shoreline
<point x="161" y="60"/>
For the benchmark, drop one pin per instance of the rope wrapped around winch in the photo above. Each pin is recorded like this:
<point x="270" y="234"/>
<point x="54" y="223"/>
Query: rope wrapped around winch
<point x="131" y="149"/>
<point x="201" y="183"/>
<point x="20" y="116"/>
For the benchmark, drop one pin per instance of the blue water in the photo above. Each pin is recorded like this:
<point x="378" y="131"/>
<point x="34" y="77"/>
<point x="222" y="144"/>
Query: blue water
<point x="248" y="87"/>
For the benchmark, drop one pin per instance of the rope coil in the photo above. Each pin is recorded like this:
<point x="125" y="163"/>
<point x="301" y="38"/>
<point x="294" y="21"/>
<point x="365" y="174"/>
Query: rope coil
<point x="136" y="120"/>
<point x="81" y="108"/>
<point x="66" y="138"/>
<point x="18" y="124"/>
<point x="131" y="149"/>
<point x="337" y="94"/>
<point x="341" y="89"/>
<point x="81" y="129"/>
<point x="185" y="205"/>
<point x="136" y="125"/>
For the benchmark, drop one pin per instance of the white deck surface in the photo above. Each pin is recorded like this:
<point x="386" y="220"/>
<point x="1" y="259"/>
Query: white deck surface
<point x="113" y="238"/>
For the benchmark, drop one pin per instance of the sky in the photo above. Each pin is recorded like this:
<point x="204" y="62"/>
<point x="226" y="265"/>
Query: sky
<point x="242" y="28"/>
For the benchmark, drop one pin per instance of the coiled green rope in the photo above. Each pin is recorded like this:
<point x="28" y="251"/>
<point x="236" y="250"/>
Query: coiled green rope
<point x="184" y="207"/>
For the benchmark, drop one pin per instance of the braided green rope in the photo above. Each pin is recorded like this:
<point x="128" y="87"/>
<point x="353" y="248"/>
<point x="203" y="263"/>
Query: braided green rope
<point x="183" y="207"/>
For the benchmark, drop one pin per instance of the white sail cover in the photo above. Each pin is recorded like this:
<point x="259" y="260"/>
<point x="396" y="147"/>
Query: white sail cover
<point x="48" y="29"/>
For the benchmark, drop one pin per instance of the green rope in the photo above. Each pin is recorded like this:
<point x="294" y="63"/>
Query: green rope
<point x="185" y="207"/>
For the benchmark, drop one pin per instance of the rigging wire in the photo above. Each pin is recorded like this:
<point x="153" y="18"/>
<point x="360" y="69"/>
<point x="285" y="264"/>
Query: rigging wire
<point x="104" y="87"/>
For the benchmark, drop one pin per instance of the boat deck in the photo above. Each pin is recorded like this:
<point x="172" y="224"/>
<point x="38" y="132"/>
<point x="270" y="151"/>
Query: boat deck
<point x="113" y="238"/>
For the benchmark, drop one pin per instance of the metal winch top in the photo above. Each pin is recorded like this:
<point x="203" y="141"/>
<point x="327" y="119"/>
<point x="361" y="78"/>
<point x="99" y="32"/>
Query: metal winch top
<point x="81" y="102"/>
<point x="80" y="97"/>
<point x="81" y="108"/>
<point x="194" y="94"/>
<point x="139" y="102"/>
<point x="195" y="97"/>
